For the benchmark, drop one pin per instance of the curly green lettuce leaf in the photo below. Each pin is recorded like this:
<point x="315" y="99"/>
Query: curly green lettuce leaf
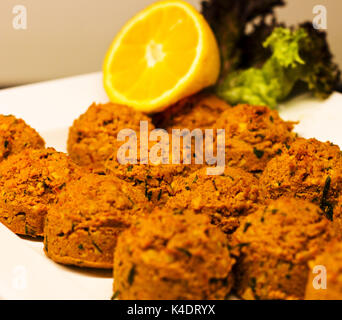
<point x="321" y="74"/>
<point x="285" y="46"/>
<point x="229" y="19"/>
<point x="294" y="59"/>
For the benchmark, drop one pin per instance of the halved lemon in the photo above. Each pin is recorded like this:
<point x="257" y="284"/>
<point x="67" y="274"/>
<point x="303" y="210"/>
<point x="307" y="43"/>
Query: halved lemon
<point x="163" y="54"/>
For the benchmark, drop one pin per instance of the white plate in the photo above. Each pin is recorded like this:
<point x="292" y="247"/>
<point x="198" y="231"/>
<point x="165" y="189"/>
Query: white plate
<point x="51" y="107"/>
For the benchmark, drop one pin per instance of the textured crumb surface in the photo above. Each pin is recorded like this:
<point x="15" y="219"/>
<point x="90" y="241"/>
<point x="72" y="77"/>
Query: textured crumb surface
<point x="93" y="136"/>
<point x="154" y="180"/>
<point x="199" y="111"/>
<point x="29" y="184"/>
<point x="82" y="228"/>
<point x="16" y="135"/>
<point x="224" y="198"/>
<point x="310" y="170"/>
<point x="173" y="257"/>
<point x="274" y="246"/>
<point x="253" y="136"/>
<point x="154" y="175"/>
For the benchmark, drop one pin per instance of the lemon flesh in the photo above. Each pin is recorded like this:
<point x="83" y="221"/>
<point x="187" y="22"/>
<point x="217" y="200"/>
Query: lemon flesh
<point x="163" y="54"/>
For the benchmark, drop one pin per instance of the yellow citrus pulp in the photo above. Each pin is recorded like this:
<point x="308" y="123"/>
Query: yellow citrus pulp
<point x="163" y="54"/>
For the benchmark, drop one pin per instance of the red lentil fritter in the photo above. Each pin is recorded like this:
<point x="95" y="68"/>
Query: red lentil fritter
<point x="173" y="257"/>
<point x="254" y="135"/>
<point x="29" y="184"/>
<point x="93" y="136"/>
<point x="16" y="135"/>
<point x="197" y="111"/>
<point x="331" y="260"/>
<point x="274" y="246"/>
<point x="154" y="179"/>
<point x="310" y="170"/>
<point x="224" y="198"/>
<point x="82" y="228"/>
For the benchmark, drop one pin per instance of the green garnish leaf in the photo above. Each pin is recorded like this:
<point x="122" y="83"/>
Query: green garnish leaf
<point x="252" y="284"/>
<point x="131" y="275"/>
<point x="325" y="205"/>
<point x="185" y="251"/>
<point x="178" y="211"/>
<point x="29" y="230"/>
<point x="263" y="61"/>
<point x="160" y="194"/>
<point x="243" y="244"/>
<point x="229" y="19"/>
<point x="214" y="184"/>
<point x="46" y="243"/>
<point x="149" y="195"/>
<point x="258" y="153"/>
<point x="96" y="246"/>
<point x="115" y="296"/>
<point x="247" y="225"/>
<point x="62" y="186"/>
<point x="20" y="214"/>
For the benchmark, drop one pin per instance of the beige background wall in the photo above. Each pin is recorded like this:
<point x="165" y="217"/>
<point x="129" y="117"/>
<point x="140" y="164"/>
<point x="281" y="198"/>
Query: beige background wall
<point x="69" y="37"/>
